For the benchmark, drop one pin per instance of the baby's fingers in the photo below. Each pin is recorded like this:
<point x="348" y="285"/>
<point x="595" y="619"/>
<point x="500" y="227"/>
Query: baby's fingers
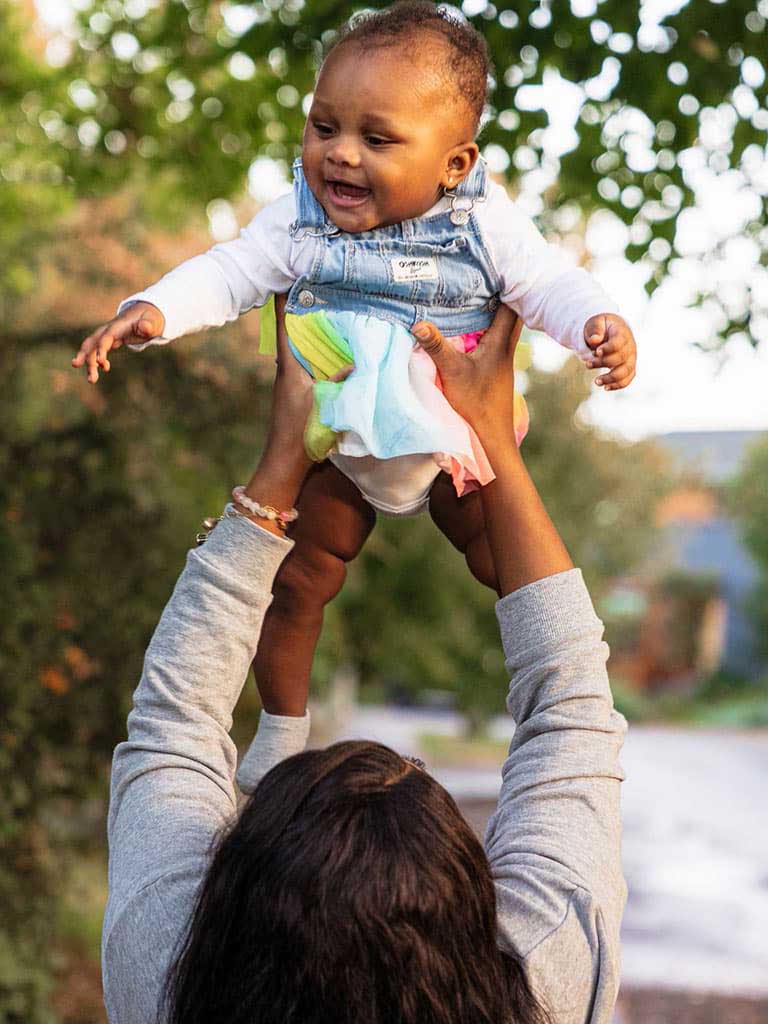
<point x="610" y="353"/>
<point x="88" y="357"/>
<point x="92" y="365"/>
<point x="86" y="347"/>
<point x="93" y="353"/>
<point x="106" y="342"/>
<point x="609" y="359"/>
<point x="618" y="378"/>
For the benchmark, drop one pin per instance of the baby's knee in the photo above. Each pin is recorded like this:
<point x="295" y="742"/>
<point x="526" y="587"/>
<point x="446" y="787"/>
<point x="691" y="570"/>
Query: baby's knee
<point x="480" y="561"/>
<point x="308" y="579"/>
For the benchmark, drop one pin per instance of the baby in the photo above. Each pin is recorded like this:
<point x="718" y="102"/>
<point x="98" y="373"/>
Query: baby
<point x="392" y="220"/>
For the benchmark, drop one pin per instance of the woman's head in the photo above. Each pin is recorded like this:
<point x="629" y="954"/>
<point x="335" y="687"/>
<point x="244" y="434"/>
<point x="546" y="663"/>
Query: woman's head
<point x="351" y="889"/>
<point x="394" y="114"/>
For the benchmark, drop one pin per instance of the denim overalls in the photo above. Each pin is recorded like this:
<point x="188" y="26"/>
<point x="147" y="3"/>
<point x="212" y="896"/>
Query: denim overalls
<point x="429" y="268"/>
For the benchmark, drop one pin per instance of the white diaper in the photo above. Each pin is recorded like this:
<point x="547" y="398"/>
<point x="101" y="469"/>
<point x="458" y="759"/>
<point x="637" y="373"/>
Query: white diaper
<point x="395" y="487"/>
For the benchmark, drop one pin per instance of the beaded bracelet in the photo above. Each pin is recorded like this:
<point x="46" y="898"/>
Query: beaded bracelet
<point x="280" y="519"/>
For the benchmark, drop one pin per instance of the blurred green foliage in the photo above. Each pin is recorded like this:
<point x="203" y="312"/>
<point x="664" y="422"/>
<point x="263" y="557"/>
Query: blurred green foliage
<point x="33" y="192"/>
<point x="179" y="97"/>
<point x="732" y="705"/>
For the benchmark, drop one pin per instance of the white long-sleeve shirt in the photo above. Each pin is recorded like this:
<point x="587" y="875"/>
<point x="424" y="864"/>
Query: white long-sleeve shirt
<point x="538" y="280"/>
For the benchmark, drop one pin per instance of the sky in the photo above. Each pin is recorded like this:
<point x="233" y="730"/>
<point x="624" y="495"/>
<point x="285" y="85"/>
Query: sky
<point x="678" y="385"/>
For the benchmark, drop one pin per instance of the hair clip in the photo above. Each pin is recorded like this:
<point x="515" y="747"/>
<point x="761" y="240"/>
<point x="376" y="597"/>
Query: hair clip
<point x="416" y="762"/>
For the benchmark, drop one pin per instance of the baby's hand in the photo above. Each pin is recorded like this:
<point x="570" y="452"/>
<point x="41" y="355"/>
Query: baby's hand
<point x="614" y="346"/>
<point x="136" y="324"/>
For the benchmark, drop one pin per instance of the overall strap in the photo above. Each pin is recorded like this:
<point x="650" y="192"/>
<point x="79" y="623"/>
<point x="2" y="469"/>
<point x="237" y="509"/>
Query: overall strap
<point x="311" y="219"/>
<point x="475" y="185"/>
<point x="467" y="193"/>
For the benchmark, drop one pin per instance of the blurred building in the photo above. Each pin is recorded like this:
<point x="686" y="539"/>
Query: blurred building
<point x="684" y="614"/>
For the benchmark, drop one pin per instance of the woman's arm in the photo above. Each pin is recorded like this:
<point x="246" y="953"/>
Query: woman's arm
<point x="524" y="542"/>
<point x="173" y="778"/>
<point x="553" y="842"/>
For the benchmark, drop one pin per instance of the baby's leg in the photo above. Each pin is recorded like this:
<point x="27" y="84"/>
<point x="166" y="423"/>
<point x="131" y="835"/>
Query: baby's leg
<point x="463" y="523"/>
<point x="334" y="522"/>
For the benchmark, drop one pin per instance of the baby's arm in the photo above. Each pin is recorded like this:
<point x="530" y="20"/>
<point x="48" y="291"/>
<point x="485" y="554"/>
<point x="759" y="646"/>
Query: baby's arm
<point x="205" y="291"/>
<point x="552" y="295"/>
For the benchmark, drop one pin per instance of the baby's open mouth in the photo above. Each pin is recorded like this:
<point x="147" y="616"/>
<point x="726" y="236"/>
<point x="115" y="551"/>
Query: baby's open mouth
<point x="345" y="194"/>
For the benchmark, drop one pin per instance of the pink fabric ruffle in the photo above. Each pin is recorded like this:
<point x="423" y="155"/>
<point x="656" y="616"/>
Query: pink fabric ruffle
<point x="471" y="470"/>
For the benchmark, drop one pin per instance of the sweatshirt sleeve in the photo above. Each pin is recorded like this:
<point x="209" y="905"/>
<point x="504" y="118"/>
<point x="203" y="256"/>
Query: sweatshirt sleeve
<point x="228" y="280"/>
<point x="172" y="786"/>
<point x="537" y="279"/>
<point x="554" y="839"/>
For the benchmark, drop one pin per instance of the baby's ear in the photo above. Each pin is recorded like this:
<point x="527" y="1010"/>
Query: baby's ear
<point x="458" y="163"/>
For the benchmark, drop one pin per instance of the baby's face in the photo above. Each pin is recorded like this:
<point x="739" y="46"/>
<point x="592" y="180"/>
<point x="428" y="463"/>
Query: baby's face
<point x="379" y="140"/>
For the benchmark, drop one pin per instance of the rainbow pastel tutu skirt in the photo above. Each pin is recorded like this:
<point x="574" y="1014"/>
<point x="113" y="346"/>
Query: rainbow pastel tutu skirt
<point x="392" y="403"/>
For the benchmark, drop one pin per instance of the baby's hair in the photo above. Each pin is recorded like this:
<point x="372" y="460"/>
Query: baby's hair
<point x="466" y="73"/>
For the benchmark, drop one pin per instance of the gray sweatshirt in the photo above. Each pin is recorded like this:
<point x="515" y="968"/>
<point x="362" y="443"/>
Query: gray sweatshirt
<point x="553" y="841"/>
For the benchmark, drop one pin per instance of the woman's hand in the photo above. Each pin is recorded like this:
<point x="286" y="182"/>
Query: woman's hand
<point x="284" y="464"/>
<point x="525" y="545"/>
<point x="291" y="401"/>
<point x="480" y="385"/>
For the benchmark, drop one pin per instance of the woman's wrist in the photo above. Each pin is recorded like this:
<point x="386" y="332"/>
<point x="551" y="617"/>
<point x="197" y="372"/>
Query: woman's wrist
<point x="277" y="481"/>
<point x="525" y="545"/>
<point x="498" y="442"/>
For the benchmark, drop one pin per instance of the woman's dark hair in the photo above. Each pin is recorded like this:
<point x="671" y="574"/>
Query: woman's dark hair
<point x="350" y="891"/>
<point x="465" y="73"/>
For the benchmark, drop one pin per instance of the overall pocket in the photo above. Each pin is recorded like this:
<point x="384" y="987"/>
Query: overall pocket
<point x="419" y="273"/>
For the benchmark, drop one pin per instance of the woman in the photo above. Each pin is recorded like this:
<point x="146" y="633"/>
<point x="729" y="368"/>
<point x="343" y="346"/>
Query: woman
<point x="350" y="889"/>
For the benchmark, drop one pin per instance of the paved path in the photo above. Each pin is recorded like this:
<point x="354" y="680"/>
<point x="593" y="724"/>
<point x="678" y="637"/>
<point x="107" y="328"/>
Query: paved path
<point x="695" y="807"/>
<point x="696" y="859"/>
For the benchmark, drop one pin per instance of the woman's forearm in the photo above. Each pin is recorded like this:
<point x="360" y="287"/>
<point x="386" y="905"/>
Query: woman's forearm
<point x="524" y="542"/>
<point x="556" y="830"/>
<point x="173" y="778"/>
<point x="198" y="659"/>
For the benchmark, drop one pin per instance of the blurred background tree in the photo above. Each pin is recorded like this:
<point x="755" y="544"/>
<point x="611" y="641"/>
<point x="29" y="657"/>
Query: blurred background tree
<point x="117" y="133"/>
<point x="33" y="194"/>
<point x="639" y="114"/>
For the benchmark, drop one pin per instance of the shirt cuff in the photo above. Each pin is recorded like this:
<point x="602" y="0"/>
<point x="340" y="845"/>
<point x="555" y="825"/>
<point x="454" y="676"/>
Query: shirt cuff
<point x="580" y="346"/>
<point x="253" y="552"/>
<point x="547" y="612"/>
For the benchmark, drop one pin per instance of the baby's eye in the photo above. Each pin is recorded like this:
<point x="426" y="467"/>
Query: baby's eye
<point x="323" y="129"/>
<point x="376" y="140"/>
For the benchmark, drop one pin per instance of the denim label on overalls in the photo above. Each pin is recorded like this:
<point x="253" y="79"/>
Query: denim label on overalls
<point x="414" y="268"/>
